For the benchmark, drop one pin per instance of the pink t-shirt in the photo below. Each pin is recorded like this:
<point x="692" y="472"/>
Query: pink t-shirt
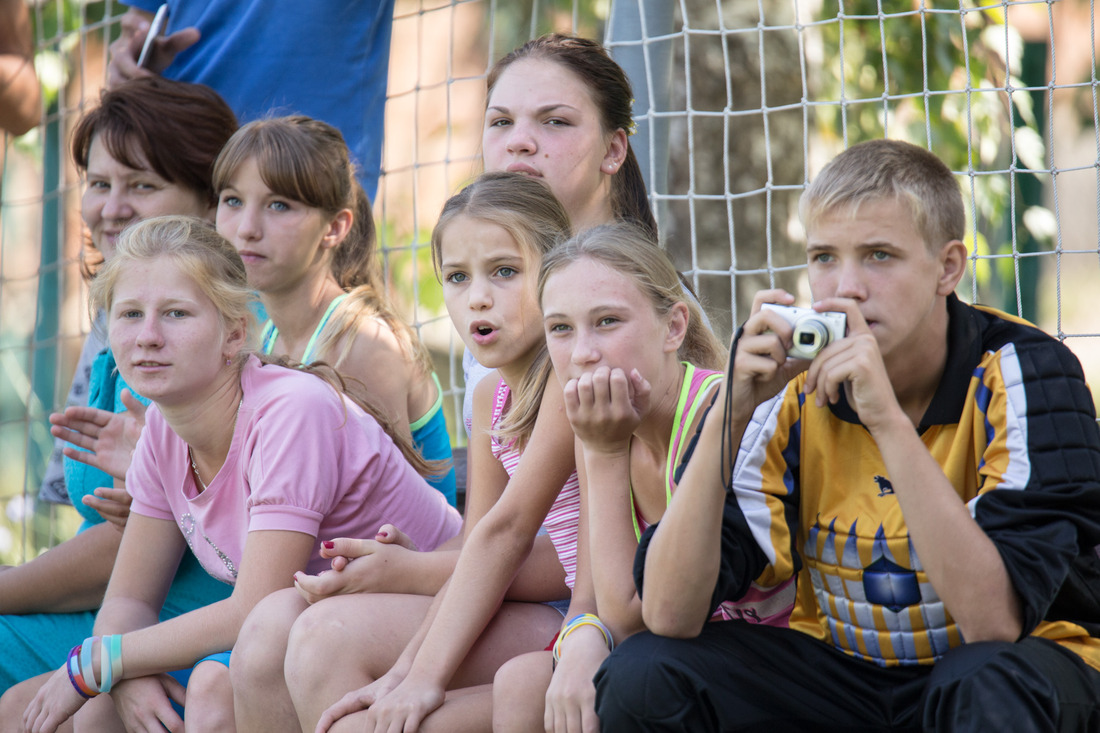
<point x="302" y="459"/>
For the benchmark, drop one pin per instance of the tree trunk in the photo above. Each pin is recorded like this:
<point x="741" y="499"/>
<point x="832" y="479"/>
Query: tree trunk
<point x="732" y="209"/>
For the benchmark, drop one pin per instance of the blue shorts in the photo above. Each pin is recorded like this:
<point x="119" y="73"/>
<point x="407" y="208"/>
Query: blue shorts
<point x="222" y="657"/>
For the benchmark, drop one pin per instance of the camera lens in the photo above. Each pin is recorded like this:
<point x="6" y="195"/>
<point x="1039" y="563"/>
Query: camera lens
<point x="811" y="335"/>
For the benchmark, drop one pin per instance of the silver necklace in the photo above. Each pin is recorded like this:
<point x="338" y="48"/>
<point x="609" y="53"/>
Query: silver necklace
<point x="196" y="469"/>
<point x="191" y="453"/>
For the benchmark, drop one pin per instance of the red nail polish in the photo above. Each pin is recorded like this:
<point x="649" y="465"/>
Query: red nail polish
<point x="329" y="545"/>
<point x="383" y="534"/>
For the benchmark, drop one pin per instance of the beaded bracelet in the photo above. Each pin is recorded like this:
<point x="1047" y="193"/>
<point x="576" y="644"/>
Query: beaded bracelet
<point x="582" y="619"/>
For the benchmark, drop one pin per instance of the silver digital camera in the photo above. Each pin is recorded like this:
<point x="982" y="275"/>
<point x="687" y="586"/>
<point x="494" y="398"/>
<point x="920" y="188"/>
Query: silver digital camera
<point x="813" y="331"/>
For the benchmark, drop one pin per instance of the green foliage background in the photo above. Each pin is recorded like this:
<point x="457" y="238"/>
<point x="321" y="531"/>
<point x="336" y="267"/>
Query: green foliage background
<point x="880" y="64"/>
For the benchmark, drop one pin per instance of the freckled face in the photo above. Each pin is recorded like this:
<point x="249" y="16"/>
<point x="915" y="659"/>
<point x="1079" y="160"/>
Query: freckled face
<point x="878" y="259"/>
<point x="596" y="316"/>
<point x="541" y="121"/>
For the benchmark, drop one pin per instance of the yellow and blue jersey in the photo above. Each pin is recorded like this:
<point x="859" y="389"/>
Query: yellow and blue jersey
<point x="1013" y="427"/>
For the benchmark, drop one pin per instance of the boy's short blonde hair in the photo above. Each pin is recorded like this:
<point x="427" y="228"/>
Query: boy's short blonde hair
<point x="890" y="169"/>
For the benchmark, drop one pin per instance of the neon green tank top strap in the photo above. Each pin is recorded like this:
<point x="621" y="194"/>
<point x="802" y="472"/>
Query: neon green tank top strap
<point x="307" y="355"/>
<point x="679" y="440"/>
<point x="676" y="444"/>
<point x="436" y="407"/>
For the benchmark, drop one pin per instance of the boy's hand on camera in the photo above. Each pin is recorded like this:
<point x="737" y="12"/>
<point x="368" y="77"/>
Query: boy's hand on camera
<point x="761" y="367"/>
<point x="855" y="365"/>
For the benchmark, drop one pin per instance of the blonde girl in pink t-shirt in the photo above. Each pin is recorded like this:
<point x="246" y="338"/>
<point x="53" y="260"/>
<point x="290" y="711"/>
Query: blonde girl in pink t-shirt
<point x="240" y="463"/>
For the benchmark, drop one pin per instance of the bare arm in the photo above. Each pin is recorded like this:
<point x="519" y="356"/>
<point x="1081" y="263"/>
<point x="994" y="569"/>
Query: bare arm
<point x="376" y="360"/>
<point x="492" y="554"/>
<point x="605" y="407"/>
<point x="20" y="93"/>
<point x="70" y="577"/>
<point x="684" y="554"/>
<point x="73" y="576"/>
<point x="571" y="696"/>
<point x="134" y="599"/>
<point x="269" y="561"/>
<point x="148" y="557"/>
<point x="682" y="561"/>
<point x="499" y="544"/>
<point x="542" y="577"/>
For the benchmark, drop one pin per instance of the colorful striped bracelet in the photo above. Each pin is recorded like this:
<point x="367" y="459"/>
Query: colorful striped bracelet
<point x="81" y="671"/>
<point x="582" y="619"/>
<point x="72" y="666"/>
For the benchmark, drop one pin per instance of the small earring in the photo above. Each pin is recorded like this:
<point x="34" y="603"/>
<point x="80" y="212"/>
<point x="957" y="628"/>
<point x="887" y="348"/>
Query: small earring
<point x="229" y="362"/>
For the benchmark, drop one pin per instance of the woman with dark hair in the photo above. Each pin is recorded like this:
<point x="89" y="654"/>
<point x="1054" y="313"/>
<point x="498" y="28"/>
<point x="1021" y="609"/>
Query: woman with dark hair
<point x="146" y="150"/>
<point x="560" y="109"/>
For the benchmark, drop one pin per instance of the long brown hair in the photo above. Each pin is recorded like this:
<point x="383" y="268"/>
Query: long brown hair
<point x="628" y="249"/>
<point x="307" y="160"/>
<point x="611" y="92"/>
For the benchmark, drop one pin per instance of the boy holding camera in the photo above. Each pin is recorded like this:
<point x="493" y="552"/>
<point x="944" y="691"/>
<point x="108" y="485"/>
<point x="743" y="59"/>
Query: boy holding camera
<point x="932" y="478"/>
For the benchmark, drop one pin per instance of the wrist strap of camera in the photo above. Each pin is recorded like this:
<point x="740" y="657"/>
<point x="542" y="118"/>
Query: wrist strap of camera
<point x="727" y="454"/>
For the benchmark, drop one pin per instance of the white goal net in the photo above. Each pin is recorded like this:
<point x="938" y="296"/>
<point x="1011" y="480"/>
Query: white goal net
<point x="738" y="103"/>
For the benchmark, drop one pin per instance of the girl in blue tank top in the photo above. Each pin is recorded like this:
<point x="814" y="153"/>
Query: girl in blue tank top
<point x="289" y="202"/>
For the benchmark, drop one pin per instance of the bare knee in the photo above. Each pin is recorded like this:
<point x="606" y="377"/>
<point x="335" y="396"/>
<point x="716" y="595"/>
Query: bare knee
<point x="519" y="693"/>
<point x="261" y="645"/>
<point x="209" y="699"/>
<point x="316" y="639"/>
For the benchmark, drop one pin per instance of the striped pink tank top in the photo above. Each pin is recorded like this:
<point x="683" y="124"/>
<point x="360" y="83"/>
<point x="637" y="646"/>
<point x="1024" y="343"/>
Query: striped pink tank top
<point x="564" y="516"/>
